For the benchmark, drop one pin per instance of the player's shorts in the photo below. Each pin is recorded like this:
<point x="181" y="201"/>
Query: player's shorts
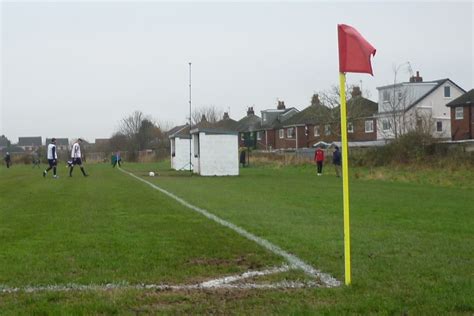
<point x="52" y="162"/>
<point x="76" y="161"/>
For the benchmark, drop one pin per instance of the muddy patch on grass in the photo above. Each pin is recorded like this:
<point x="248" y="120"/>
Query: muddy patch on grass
<point x="241" y="261"/>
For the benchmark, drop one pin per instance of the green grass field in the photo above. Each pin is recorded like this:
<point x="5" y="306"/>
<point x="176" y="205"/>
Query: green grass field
<point x="412" y="243"/>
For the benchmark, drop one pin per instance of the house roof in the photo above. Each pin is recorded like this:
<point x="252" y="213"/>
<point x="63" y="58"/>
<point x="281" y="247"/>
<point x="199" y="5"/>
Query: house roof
<point x="465" y="99"/>
<point x="438" y="84"/>
<point x="310" y="115"/>
<point x="29" y="141"/>
<point x="99" y="141"/>
<point x="59" y="141"/>
<point x="249" y="123"/>
<point x="360" y="107"/>
<point x="228" y="124"/>
<point x="281" y="119"/>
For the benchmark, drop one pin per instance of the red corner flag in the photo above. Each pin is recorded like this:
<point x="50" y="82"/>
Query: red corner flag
<point x="354" y="50"/>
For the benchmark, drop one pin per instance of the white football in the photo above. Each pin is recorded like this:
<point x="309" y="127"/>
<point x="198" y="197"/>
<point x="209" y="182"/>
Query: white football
<point x="151" y="174"/>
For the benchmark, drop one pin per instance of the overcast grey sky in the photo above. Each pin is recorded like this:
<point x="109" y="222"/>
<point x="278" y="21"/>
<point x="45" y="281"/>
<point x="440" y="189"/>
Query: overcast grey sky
<point x="75" y="69"/>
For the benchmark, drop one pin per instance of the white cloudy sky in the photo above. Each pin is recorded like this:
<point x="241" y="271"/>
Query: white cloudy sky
<point x="76" y="68"/>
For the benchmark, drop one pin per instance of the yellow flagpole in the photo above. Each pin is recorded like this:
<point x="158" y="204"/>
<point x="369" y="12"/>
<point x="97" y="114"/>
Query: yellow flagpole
<point x="345" y="180"/>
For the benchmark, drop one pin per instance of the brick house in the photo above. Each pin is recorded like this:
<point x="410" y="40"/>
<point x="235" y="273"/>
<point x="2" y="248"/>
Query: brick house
<point x="247" y="128"/>
<point x="318" y="123"/>
<point x="271" y="129"/>
<point x="462" y="116"/>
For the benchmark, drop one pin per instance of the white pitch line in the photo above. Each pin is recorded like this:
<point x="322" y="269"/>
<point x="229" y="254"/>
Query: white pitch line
<point x="221" y="283"/>
<point x="249" y="274"/>
<point x="327" y="279"/>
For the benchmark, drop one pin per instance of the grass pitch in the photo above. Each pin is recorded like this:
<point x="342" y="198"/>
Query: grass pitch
<point x="412" y="245"/>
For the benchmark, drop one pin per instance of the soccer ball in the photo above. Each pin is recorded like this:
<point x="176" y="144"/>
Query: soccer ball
<point x="151" y="174"/>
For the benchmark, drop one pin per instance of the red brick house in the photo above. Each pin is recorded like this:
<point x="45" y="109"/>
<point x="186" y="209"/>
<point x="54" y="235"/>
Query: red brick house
<point x="462" y="116"/>
<point x="320" y="123"/>
<point x="273" y="120"/>
<point x="247" y="128"/>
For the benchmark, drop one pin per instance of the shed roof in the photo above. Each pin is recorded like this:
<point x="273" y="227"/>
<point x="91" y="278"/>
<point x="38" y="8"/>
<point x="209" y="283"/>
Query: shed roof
<point x="181" y="131"/>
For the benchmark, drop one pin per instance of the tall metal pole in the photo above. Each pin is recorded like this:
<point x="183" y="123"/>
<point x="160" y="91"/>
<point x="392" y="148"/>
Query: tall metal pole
<point x="190" y="122"/>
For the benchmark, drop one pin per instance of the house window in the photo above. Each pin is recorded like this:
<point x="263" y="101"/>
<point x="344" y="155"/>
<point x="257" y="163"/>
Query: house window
<point x="369" y="126"/>
<point x="459" y="113"/>
<point x="386" y="125"/>
<point x="316" y="130"/>
<point x="447" y="91"/>
<point x="289" y="132"/>
<point x="259" y="135"/>
<point x="385" y="96"/>
<point x="281" y="133"/>
<point x="242" y="137"/>
<point x="350" y="127"/>
<point x="439" y="126"/>
<point x="264" y="117"/>
<point x="400" y="95"/>
<point x="327" y="129"/>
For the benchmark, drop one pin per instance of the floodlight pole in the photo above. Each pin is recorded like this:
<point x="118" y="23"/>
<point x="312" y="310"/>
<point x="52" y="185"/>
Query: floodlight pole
<point x="190" y="122"/>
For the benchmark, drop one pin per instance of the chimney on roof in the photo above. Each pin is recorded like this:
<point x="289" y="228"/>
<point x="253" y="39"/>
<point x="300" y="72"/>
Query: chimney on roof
<point x="315" y="100"/>
<point x="226" y="116"/>
<point x="281" y="105"/>
<point x="416" y="78"/>
<point x="356" y="92"/>
<point x="250" y="111"/>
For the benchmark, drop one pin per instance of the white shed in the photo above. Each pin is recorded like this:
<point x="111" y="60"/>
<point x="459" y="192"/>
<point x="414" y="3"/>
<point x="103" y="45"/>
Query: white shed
<point x="180" y="140"/>
<point x="215" y="151"/>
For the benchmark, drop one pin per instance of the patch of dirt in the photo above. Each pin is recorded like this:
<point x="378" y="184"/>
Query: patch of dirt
<point x="241" y="261"/>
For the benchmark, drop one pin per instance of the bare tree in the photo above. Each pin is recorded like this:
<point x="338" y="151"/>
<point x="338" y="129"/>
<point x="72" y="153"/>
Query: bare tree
<point x="118" y="141"/>
<point x="331" y="99"/>
<point x="212" y="114"/>
<point x="130" y="125"/>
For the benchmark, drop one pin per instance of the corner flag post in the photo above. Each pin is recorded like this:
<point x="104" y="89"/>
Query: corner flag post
<point x="354" y="56"/>
<point x="345" y="180"/>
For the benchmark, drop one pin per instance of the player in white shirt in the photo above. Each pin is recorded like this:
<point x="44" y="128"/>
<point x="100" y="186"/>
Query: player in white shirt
<point x="76" y="157"/>
<point x="52" y="156"/>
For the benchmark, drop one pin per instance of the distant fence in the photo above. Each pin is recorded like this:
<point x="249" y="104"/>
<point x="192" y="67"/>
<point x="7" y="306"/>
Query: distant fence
<point x="91" y="157"/>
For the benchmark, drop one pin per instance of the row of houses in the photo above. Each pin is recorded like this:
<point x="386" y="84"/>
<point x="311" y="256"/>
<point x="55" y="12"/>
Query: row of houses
<point x="440" y="107"/>
<point x="32" y="144"/>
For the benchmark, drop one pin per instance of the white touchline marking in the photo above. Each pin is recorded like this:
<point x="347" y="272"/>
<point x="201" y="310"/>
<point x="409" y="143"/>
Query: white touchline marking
<point x="327" y="279"/>
<point x="221" y="283"/>
<point x="245" y="275"/>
